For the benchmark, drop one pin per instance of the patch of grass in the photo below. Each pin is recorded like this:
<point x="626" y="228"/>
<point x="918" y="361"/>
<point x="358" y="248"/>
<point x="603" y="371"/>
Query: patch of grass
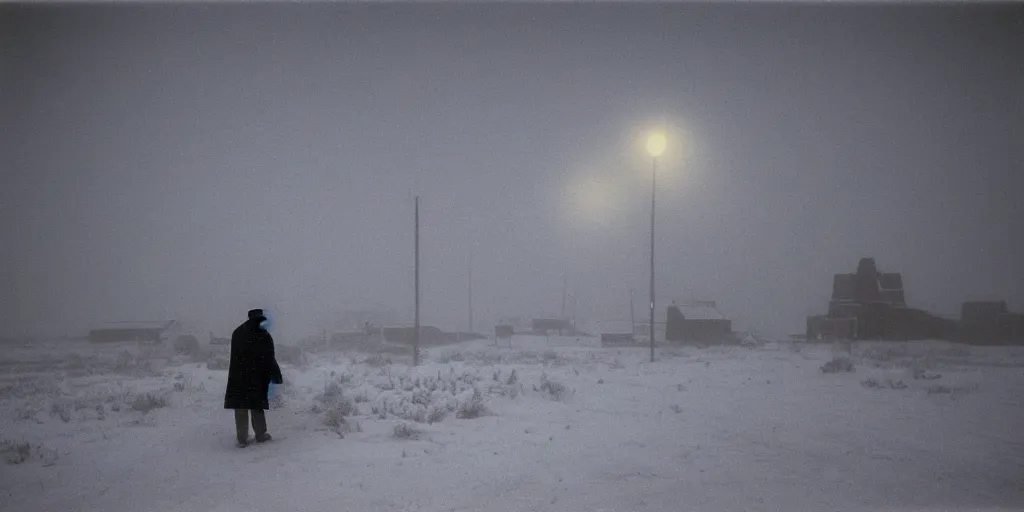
<point x="488" y="358"/>
<point x="888" y="384"/>
<point x="405" y="430"/>
<point x="920" y="373"/>
<point x="838" y="365"/>
<point x="25" y="414"/>
<point x="16" y="453"/>
<point x="61" y="410"/>
<point x="148" y="401"/>
<point x="956" y="352"/>
<point x="135" y="364"/>
<point x="218" y="363"/>
<point x="450" y="357"/>
<point x="954" y="390"/>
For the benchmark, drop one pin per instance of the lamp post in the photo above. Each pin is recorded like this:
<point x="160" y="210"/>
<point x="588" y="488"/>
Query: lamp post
<point x="656" y="144"/>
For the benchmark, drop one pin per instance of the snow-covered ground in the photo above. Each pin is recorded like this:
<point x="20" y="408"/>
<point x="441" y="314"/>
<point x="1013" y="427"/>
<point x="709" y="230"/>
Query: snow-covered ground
<point x="924" y="426"/>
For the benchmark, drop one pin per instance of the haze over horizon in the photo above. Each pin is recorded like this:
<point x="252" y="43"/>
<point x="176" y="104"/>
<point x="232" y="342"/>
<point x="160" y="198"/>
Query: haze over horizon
<point x="192" y="161"/>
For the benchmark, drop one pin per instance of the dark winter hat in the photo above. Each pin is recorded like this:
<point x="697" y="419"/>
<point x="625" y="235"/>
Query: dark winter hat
<point x="255" y="313"/>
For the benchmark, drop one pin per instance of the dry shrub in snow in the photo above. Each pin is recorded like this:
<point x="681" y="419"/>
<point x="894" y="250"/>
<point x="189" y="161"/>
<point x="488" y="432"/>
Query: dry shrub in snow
<point x="377" y="360"/>
<point x="436" y="414"/>
<point x="837" y="365"/>
<point x="472" y="408"/>
<point x="405" y="430"/>
<point x="148" y="401"/>
<point x="16" y="453"/>
<point x="19" y="452"/>
<point x="336" y="407"/>
<point x="25" y="414"/>
<point x="334" y="417"/>
<point x="553" y="389"/>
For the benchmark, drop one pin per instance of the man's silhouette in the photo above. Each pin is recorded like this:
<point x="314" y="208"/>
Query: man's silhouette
<point x="253" y="367"/>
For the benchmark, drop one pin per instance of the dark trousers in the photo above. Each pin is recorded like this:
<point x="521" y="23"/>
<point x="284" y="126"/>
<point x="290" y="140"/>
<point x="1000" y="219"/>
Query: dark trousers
<point x="259" y="423"/>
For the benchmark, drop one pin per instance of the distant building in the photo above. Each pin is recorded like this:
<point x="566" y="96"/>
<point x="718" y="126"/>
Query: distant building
<point x="142" y="332"/>
<point x="990" y="322"/>
<point x="697" y="321"/>
<point x="545" y="326"/>
<point x="870" y="304"/>
<point x="429" y="335"/>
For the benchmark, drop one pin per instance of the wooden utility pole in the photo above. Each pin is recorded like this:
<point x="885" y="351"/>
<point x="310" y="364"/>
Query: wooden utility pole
<point x="565" y="285"/>
<point x="416" y="331"/>
<point x="632" y="315"/>
<point x="471" y="294"/>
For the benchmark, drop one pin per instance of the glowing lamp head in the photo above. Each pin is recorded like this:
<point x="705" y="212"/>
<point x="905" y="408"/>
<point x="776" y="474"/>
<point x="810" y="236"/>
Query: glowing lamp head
<point x="656" y="144"/>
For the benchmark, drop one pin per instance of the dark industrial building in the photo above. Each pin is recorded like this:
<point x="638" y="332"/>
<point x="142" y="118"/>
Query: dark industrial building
<point x="697" y="322"/>
<point x="990" y="323"/>
<point x="871" y="305"/>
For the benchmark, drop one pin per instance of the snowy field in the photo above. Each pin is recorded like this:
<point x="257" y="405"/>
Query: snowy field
<point x="547" y="425"/>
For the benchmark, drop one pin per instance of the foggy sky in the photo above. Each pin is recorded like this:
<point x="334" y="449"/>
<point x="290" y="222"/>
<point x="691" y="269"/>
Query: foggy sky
<point x="193" y="161"/>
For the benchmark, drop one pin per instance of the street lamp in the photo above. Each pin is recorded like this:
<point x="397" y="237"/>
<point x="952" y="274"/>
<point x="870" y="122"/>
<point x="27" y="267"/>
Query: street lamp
<point x="656" y="144"/>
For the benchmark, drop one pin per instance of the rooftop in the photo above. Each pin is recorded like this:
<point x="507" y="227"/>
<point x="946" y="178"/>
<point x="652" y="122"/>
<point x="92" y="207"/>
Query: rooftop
<point x="699" y="310"/>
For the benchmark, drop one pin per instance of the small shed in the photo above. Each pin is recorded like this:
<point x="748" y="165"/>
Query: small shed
<point x="697" y="321"/>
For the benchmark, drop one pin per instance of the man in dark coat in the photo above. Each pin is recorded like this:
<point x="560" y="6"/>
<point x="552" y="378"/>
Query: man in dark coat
<point x="253" y="367"/>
